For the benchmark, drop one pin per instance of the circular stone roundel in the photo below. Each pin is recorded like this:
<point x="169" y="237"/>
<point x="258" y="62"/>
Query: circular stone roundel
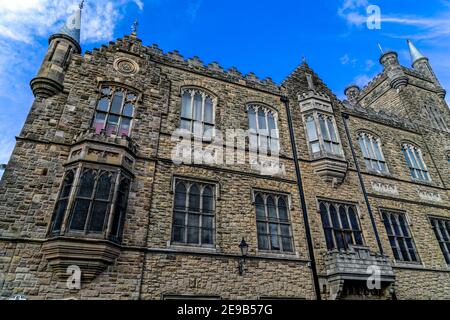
<point x="126" y="66"/>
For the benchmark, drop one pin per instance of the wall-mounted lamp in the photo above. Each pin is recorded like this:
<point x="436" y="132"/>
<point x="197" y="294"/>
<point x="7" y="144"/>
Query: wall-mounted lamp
<point x="244" y="250"/>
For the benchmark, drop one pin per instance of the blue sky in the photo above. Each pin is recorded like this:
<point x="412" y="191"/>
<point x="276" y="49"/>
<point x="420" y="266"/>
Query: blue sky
<point x="265" y="37"/>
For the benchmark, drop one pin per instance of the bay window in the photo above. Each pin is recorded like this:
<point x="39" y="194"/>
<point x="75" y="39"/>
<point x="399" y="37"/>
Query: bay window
<point x="322" y="135"/>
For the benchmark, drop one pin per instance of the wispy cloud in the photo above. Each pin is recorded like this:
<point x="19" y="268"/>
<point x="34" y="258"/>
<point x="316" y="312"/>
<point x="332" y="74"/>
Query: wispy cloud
<point x="192" y="9"/>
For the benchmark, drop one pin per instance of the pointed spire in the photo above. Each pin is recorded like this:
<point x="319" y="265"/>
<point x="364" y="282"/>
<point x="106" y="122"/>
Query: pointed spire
<point x="415" y="53"/>
<point x="73" y="25"/>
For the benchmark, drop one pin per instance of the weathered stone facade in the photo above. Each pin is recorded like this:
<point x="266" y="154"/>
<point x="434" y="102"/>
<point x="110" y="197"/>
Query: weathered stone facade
<point x="144" y="263"/>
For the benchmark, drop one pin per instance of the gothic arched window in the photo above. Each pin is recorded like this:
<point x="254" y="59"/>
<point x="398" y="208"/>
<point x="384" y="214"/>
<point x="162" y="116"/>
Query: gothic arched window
<point x="198" y="112"/>
<point x="340" y="225"/>
<point x="414" y="159"/>
<point x="272" y="221"/>
<point x="115" y="111"/>
<point x="193" y="215"/>
<point x="372" y="152"/>
<point x="263" y="127"/>
<point x="436" y="118"/>
<point x="322" y="135"/>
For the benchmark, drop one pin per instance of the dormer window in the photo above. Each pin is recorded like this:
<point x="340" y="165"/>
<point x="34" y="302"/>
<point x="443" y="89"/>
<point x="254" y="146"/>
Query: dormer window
<point x="323" y="138"/>
<point x="414" y="159"/>
<point x="115" y="111"/>
<point x="372" y="152"/>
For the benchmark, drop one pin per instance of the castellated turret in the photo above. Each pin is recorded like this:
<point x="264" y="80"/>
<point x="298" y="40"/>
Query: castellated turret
<point x="394" y="71"/>
<point x="352" y="92"/>
<point x="421" y="64"/>
<point x="50" y="78"/>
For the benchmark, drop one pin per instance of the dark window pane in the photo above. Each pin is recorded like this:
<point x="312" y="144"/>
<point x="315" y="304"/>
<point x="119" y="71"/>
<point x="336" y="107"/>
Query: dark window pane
<point x="194" y="198"/>
<point x="207" y="222"/>
<point x="259" y="202"/>
<point x="271" y="209"/>
<point x="208" y="205"/>
<point x="334" y="217"/>
<point x="87" y="184"/>
<point x="287" y="244"/>
<point x="274" y="239"/>
<point x="358" y="238"/>
<point x="79" y="216"/>
<point x="403" y="226"/>
<point x="112" y="126"/>
<point x="178" y="234"/>
<point x="193" y="220"/>
<point x="403" y="250"/>
<point x="394" y="248"/>
<point x="263" y="242"/>
<point x="282" y="209"/>
<point x="59" y="215"/>
<point x="103" y="187"/>
<point x="207" y="236"/>
<point x="262" y="228"/>
<point x="329" y="239"/>
<point x="353" y="219"/>
<point x="180" y="196"/>
<point x="193" y="235"/>
<point x="98" y="216"/>
<point x="117" y="102"/>
<point x="324" y="216"/>
<point x="343" y="216"/>
<point x="179" y="219"/>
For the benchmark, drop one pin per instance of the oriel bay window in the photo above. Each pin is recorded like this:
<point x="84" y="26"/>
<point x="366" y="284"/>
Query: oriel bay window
<point x="193" y="213"/>
<point x="322" y="135"/>
<point x="115" y="111"/>
<point x="273" y="224"/>
<point x="92" y="201"/>
<point x="340" y="225"/>
<point x="198" y="112"/>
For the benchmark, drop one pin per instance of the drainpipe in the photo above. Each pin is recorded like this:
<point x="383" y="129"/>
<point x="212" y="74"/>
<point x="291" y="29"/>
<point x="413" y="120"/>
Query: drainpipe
<point x="285" y="100"/>
<point x="361" y="181"/>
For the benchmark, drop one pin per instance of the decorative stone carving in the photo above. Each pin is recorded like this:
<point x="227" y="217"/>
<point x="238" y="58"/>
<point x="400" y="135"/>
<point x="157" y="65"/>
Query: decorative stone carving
<point x="429" y="196"/>
<point x="348" y="272"/>
<point x="91" y="256"/>
<point x="385" y="188"/>
<point x="126" y="66"/>
<point x="330" y="169"/>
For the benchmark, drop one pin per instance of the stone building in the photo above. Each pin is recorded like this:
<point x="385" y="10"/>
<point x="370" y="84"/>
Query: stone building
<point x="338" y="200"/>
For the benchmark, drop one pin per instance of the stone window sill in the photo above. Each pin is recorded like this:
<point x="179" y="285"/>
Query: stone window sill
<point x="179" y="247"/>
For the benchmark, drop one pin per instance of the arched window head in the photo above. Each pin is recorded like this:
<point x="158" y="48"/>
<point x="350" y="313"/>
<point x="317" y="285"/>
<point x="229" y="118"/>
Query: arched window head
<point x="263" y="129"/>
<point x="198" y="112"/>
<point x="63" y="200"/>
<point x="115" y="111"/>
<point x="372" y="152"/>
<point x="323" y="138"/>
<point x="416" y="164"/>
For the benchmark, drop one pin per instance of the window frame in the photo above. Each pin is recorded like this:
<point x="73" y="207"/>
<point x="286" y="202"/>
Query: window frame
<point x="399" y="258"/>
<point x="340" y="231"/>
<point x="111" y="210"/>
<point x="265" y="194"/>
<point x="204" y="94"/>
<point x="258" y="133"/>
<point x="373" y="139"/>
<point x="186" y="211"/>
<point x="443" y="244"/>
<point x="316" y="115"/>
<point x="421" y="167"/>
<point x="108" y="113"/>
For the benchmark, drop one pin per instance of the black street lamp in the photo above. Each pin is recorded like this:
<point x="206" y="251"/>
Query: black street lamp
<point x="244" y="250"/>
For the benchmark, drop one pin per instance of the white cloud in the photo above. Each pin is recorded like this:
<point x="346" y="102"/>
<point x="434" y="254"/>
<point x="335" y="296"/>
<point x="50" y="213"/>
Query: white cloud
<point x="24" y="20"/>
<point x="345" y="59"/>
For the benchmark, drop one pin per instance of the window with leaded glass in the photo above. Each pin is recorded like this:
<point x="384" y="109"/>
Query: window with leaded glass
<point x="441" y="229"/>
<point x="322" y="135"/>
<point x="115" y="111"/>
<point x="414" y="159"/>
<point x="341" y="225"/>
<point x="372" y="152"/>
<point x="193" y="215"/>
<point x="63" y="200"/>
<point x="198" y="112"/>
<point x="399" y="235"/>
<point x="273" y="224"/>
<point x="263" y="129"/>
<point x="93" y="201"/>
